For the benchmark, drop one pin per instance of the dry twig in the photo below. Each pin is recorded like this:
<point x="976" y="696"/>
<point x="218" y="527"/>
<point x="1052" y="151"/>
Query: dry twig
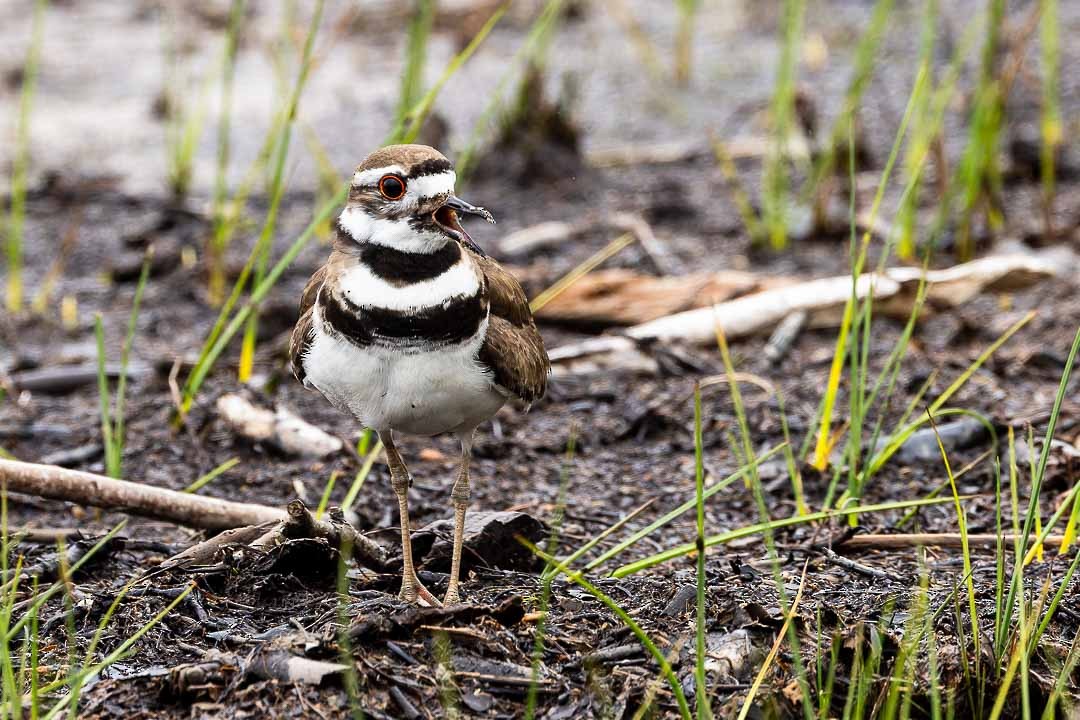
<point x="83" y="488"/>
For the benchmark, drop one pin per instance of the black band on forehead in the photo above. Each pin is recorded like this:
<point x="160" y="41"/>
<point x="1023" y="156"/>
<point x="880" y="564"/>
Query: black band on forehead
<point x="434" y="166"/>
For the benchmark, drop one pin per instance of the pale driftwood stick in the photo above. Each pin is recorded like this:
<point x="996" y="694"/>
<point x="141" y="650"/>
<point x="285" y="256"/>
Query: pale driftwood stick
<point x="65" y="378"/>
<point x="892" y="542"/>
<point x="658" y="252"/>
<point x="46" y="536"/>
<point x="824" y="299"/>
<point x="197" y="511"/>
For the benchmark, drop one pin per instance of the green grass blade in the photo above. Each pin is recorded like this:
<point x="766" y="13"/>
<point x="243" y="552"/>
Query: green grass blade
<point x="639" y="633"/>
<point x="1044" y="457"/>
<point x="121" y="651"/>
<point x="825" y="439"/>
<point x="573" y="557"/>
<point x="103" y="393"/>
<point x="213" y="351"/>
<point x="882" y="456"/>
<point x="685" y="507"/>
<point x="216" y="243"/>
<point x="407" y="133"/>
<point x="56" y="587"/>
<point x="1050" y="124"/>
<point x="757" y="528"/>
<point x="209" y="477"/>
<point x="412" y="77"/>
<point x="684" y="40"/>
<point x="16" y="219"/>
<point x="325" y="499"/>
<point x="549" y="573"/>
<point x="701" y="691"/>
<point x="277" y="190"/>
<point x="114" y="458"/>
<point x="865" y="57"/>
<point x="965" y="549"/>
<point x="775" y="177"/>
<point x="536" y="42"/>
<point x="361" y="476"/>
<point x="1061" y="683"/>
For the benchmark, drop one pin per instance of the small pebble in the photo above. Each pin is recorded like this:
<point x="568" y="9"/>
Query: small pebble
<point x="431" y="454"/>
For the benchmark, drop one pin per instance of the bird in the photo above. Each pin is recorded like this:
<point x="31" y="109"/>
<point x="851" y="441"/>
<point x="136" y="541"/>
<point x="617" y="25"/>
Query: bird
<point x="413" y="329"/>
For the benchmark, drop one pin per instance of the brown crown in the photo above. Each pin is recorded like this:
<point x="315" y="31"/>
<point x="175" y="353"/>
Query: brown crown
<point x="416" y="160"/>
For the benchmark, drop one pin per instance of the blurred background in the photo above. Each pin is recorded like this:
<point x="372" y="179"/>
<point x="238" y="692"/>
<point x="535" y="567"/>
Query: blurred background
<point x="170" y="173"/>
<point x="122" y="82"/>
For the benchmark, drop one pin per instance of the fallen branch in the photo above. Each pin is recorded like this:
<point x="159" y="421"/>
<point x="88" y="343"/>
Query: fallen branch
<point x="264" y="537"/>
<point x="336" y="531"/>
<point x="657" y="250"/>
<point x="65" y="378"/>
<point x="847" y="563"/>
<point x="550" y="233"/>
<point x="83" y="488"/>
<point x="893" y="292"/>
<point x="282" y="428"/>
<point x="784" y="336"/>
<point x="952" y="540"/>
<point x="44" y="536"/>
<point x="50" y="567"/>
<point x="823" y="300"/>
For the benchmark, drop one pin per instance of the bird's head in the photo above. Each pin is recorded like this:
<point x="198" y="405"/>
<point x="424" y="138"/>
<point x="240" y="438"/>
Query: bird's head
<point x="402" y="196"/>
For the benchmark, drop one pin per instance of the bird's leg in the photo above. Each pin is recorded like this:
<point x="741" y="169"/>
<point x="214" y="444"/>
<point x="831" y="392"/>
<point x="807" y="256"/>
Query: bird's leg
<point x="459" y="497"/>
<point x="411" y="588"/>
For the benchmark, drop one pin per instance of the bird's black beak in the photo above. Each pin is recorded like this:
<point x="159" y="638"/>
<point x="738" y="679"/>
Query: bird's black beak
<point x="446" y="217"/>
<point x="463" y="207"/>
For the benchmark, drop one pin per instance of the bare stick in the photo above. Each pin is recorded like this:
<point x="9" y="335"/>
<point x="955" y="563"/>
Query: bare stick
<point x="83" y="488"/>
<point x="859" y="567"/>
<point x="890" y="542"/>
<point x="336" y="530"/>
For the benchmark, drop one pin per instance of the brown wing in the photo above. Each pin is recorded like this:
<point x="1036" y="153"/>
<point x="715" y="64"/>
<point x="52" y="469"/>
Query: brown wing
<point x="513" y="349"/>
<point x="302" y="333"/>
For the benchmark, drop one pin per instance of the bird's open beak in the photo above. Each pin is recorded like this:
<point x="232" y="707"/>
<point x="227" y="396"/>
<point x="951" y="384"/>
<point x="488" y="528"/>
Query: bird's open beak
<point x="447" y="218"/>
<point x="463" y="207"/>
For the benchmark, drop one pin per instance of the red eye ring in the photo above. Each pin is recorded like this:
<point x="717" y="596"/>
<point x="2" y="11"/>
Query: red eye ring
<point x="392" y="187"/>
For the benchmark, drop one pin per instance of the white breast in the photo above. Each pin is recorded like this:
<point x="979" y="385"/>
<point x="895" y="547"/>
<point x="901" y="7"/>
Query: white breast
<point x="425" y="393"/>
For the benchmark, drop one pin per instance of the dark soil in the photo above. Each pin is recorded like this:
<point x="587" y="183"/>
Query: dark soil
<point x="634" y="443"/>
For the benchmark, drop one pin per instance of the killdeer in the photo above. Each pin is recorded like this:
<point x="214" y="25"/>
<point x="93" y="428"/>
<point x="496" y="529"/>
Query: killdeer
<point x="412" y="328"/>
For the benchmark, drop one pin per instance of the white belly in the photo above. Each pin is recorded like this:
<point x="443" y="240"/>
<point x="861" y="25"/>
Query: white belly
<point x="422" y="393"/>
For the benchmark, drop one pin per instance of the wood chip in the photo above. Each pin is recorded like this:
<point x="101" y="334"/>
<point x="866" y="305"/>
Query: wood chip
<point x="622" y="297"/>
<point x="289" y="432"/>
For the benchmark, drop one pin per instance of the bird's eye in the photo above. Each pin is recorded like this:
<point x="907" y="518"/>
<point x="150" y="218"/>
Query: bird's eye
<point x="392" y="187"/>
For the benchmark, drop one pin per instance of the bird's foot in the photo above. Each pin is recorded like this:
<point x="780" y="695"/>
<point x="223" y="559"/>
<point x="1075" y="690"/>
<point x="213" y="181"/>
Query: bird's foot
<point x="413" y="591"/>
<point x="453" y="597"/>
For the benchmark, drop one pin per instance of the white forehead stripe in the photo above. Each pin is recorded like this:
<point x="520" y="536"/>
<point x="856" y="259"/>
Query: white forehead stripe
<point x="425" y="186"/>
<point x="371" y="177"/>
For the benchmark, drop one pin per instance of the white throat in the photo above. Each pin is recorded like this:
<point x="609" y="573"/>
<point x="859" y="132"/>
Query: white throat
<point x="391" y="233"/>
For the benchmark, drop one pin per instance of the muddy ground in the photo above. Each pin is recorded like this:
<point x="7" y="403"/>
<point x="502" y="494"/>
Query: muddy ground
<point x="634" y="432"/>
